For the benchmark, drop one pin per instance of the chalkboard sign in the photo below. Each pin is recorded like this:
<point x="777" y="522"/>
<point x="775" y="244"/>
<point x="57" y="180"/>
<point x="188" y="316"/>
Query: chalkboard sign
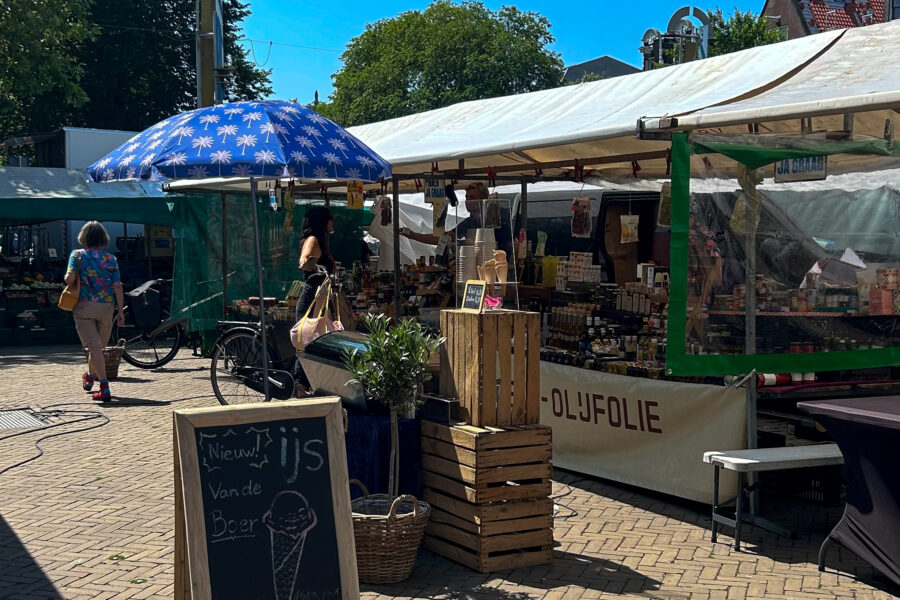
<point x="266" y="503"/>
<point x="473" y="297"/>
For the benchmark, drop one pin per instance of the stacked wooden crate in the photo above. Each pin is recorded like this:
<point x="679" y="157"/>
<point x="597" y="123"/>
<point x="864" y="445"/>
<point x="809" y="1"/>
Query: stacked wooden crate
<point x="491" y="364"/>
<point x="488" y="481"/>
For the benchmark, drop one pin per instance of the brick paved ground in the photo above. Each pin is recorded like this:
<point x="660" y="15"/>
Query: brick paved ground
<point x="93" y="517"/>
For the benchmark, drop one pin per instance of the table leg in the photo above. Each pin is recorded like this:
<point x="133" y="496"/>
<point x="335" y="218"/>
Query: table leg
<point x="739" y="505"/>
<point x="715" y="506"/>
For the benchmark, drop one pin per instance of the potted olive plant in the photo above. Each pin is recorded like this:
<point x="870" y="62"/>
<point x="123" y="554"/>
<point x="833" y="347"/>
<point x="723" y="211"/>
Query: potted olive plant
<point x="391" y="368"/>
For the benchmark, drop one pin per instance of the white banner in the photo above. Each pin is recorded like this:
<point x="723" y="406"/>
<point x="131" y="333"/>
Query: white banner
<point x="643" y="432"/>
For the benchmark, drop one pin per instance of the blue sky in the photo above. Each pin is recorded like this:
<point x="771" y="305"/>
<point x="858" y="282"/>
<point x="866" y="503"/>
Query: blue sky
<point x="582" y="30"/>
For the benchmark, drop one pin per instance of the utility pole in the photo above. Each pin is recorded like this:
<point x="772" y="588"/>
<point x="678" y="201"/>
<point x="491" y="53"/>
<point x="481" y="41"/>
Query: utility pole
<point x="210" y="52"/>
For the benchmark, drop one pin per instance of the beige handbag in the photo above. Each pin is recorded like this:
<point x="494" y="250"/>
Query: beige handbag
<point x="68" y="298"/>
<point x="317" y="320"/>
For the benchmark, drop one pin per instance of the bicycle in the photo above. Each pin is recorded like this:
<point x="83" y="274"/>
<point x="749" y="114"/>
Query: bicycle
<point x="151" y="339"/>
<point x="236" y="368"/>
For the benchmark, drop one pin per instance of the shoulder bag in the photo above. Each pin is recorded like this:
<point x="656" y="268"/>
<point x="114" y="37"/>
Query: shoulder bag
<point x="68" y="298"/>
<point x="317" y="320"/>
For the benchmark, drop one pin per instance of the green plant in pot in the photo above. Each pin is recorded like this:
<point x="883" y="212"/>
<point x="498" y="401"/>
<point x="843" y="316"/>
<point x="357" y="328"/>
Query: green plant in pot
<point x="391" y="369"/>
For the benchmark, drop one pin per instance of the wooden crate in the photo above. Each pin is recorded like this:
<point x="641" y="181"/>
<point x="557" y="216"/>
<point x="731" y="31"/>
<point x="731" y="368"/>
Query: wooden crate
<point x="490" y="537"/>
<point x="487" y="464"/>
<point x="491" y="364"/>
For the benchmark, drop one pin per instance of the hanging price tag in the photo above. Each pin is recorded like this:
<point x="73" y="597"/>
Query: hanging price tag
<point x="355" y="195"/>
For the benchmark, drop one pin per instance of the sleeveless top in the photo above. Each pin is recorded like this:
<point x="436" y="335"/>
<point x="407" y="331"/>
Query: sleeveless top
<point x="325" y="260"/>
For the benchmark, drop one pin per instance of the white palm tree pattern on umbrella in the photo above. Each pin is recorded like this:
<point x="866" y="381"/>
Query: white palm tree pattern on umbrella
<point x="202" y="142"/>
<point x="246" y="140"/>
<point x="266" y="139"/>
<point x="207" y="119"/>
<point x="198" y="172"/>
<point x="264" y="157"/>
<point x="176" y="160"/>
<point x="126" y="161"/>
<point x="338" y="144"/>
<point x="310" y="130"/>
<point x="250" y="117"/>
<point x="268" y="129"/>
<point x="305" y="142"/>
<point x="184" y="132"/>
<point x="367" y="163"/>
<point x="301" y="159"/>
<point x="220" y="157"/>
<point x="334" y="160"/>
<point x="281" y="130"/>
<point x="226" y="130"/>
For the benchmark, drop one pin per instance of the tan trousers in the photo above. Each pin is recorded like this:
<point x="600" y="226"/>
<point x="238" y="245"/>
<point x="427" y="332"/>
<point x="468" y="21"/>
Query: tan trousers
<point x="94" y="321"/>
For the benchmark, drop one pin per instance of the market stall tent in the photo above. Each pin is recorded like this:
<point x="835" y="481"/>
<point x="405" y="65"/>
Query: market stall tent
<point x="30" y="195"/>
<point x="595" y="119"/>
<point x="859" y="72"/>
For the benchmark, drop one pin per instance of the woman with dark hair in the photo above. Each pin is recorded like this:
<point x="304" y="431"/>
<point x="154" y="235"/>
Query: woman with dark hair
<point x="315" y="251"/>
<point x="316" y="263"/>
<point x="98" y="272"/>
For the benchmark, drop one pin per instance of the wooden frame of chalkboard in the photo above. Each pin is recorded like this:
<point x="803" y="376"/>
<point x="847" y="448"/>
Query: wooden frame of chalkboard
<point x="473" y="297"/>
<point x="238" y="442"/>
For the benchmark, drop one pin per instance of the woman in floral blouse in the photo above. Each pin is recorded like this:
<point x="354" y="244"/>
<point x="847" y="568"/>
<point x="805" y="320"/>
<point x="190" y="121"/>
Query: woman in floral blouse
<point x="100" y="285"/>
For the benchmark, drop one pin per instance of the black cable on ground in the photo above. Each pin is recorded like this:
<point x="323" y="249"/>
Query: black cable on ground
<point x="557" y="497"/>
<point x="87" y="416"/>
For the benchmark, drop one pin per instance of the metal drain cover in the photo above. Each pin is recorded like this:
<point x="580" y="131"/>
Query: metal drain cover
<point x="18" y="419"/>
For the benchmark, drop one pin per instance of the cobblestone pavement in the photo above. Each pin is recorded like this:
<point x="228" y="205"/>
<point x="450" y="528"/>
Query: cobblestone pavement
<point x="93" y="517"/>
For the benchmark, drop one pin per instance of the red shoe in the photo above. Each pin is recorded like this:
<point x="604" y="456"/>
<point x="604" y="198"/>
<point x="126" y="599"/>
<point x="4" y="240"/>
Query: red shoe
<point x="102" y="395"/>
<point x="87" y="382"/>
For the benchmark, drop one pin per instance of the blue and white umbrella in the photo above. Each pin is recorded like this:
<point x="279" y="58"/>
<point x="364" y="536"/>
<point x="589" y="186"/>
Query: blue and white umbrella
<point x="244" y="140"/>
<point x="267" y="139"/>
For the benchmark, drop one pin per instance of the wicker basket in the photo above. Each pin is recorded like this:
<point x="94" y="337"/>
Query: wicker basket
<point x="112" y="356"/>
<point x="388" y="532"/>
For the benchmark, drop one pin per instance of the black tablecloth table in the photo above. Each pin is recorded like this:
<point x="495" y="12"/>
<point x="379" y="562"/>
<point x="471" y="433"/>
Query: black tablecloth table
<point x="867" y="430"/>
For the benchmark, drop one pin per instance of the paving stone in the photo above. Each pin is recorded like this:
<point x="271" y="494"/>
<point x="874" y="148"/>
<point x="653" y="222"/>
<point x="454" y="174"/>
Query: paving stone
<point x="105" y="492"/>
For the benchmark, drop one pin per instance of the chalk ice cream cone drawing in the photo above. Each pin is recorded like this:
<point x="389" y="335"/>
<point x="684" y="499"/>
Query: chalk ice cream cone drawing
<point x="289" y="519"/>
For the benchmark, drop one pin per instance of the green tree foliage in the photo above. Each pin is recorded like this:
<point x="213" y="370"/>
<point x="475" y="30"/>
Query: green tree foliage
<point x="39" y="70"/>
<point x="450" y="52"/>
<point x="739" y="31"/>
<point x="138" y="75"/>
<point x="109" y="64"/>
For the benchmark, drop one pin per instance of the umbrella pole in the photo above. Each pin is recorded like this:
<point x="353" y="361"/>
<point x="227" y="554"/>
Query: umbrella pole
<point x="259" y="279"/>
<point x="396" y="210"/>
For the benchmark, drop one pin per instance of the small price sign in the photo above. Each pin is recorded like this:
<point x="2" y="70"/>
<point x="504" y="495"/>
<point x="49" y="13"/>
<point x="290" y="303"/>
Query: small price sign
<point x="473" y="298"/>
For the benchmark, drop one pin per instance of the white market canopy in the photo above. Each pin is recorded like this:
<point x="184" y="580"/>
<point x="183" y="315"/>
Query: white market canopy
<point x="826" y="74"/>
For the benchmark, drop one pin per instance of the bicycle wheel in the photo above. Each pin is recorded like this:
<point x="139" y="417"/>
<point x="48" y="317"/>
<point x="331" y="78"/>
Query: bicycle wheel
<point x="236" y="369"/>
<point x="147" y="350"/>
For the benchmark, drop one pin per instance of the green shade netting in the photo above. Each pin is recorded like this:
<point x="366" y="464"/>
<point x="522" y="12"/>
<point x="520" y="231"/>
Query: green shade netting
<point x="204" y="248"/>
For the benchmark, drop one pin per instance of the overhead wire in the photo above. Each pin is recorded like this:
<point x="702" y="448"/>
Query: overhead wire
<point x="191" y="36"/>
